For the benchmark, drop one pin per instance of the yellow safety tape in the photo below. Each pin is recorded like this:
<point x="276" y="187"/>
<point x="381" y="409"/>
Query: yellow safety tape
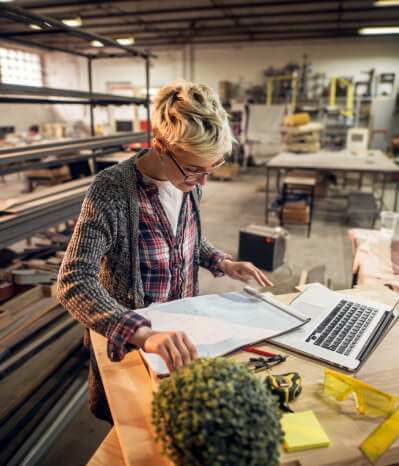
<point x="381" y="439"/>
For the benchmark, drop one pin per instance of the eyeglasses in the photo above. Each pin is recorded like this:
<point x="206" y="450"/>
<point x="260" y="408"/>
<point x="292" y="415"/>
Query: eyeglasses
<point x="368" y="399"/>
<point x="192" y="177"/>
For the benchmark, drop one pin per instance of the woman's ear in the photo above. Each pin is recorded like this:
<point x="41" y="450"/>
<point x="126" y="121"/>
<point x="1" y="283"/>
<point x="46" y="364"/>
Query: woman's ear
<point x="157" y="146"/>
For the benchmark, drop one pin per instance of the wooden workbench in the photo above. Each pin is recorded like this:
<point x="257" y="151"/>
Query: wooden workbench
<point x="128" y="387"/>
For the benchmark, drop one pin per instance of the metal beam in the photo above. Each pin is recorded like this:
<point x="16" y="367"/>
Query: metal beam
<point x="91" y="97"/>
<point x="181" y="39"/>
<point x="44" y="46"/>
<point x="269" y="14"/>
<point x="20" y="15"/>
<point x="273" y="38"/>
<point x="207" y="29"/>
<point x="196" y="9"/>
<point x="66" y="160"/>
<point x="22" y="154"/>
<point x="76" y="4"/>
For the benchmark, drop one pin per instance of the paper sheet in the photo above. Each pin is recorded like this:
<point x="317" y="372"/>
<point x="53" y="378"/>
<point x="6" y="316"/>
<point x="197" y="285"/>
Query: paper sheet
<point x="217" y="324"/>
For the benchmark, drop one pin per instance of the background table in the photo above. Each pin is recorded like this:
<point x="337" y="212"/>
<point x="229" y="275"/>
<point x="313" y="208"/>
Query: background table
<point x="339" y="161"/>
<point x="128" y="387"/>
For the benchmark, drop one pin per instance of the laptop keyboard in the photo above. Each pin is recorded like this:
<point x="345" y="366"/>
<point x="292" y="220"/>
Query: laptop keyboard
<point x="343" y="327"/>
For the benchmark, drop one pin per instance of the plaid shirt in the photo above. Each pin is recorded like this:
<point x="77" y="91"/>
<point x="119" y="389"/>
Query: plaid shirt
<point x="166" y="260"/>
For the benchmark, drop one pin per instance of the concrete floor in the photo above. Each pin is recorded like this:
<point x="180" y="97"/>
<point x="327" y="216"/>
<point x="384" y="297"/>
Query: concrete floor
<point x="227" y="207"/>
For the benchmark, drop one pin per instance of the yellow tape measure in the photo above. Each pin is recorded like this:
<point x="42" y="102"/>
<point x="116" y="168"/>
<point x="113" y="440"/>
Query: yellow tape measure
<point x="286" y="386"/>
<point x="381" y="439"/>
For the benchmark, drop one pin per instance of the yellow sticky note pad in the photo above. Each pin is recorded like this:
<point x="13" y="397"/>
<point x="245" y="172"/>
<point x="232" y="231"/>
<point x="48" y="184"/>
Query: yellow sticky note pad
<point x="303" y="431"/>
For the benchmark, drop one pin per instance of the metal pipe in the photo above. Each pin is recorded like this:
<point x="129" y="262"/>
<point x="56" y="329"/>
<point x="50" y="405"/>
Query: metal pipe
<point x="90" y="79"/>
<point x="95" y="97"/>
<point x="267" y="194"/>
<point x="234" y="6"/>
<point x="147" y="80"/>
<point x="270" y="14"/>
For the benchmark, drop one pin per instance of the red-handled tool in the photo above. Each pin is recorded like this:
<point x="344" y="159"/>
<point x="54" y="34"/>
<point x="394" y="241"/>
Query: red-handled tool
<point x="250" y="349"/>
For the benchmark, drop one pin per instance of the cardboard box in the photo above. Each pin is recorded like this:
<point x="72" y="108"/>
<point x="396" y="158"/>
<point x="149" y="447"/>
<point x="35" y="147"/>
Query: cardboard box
<point x="61" y="173"/>
<point x="296" y="215"/>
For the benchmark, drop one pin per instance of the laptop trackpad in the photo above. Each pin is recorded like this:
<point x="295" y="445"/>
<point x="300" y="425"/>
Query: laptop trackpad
<point x="310" y="310"/>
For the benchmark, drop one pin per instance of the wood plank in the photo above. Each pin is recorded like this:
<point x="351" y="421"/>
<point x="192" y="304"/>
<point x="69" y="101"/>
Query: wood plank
<point x="7" y="291"/>
<point x="9" y="204"/>
<point x="5" y="319"/>
<point x="34" y="371"/>
<point x="50" y="290"/>
<point x="31" y="276"/>
<point x="33" y="327"/>
<point x="28" y="351"/>
<point x="23" y="300"/>
<point x="28" y="315"/>
<point x="129" y="393"/>
<point x="109" y="452"/>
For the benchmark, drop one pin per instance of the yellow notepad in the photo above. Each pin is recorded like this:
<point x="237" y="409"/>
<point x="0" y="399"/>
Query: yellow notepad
<point x="303" y="431"/>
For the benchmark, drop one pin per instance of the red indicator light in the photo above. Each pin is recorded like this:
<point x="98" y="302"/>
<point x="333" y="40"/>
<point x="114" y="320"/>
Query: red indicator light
<point x="268" y="240"/>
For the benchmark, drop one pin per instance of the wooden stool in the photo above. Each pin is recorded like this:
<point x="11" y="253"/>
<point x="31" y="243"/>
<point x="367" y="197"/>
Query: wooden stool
<point x="304" y="184"/>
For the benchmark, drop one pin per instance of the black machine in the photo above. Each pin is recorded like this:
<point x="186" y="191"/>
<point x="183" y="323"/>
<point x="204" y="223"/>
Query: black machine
<point x="263" y="246"/>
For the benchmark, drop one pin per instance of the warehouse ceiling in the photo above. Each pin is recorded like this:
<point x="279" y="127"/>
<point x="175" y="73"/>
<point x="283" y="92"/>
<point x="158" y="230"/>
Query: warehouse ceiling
<point x="171" y="23"/>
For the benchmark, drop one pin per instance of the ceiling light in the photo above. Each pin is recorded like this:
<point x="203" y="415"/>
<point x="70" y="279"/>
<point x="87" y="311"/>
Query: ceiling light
<point x="73" y="22"/>
<point x="386" y="3"/>
<point x="5" y="1"/>
<point x="36" y="27"/>
<point x="96" y="43"/>
<point x="125" y="40"/>
<point x="377" y="31"/>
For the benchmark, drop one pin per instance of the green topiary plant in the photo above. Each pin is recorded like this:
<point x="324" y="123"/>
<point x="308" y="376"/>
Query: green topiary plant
<point x="216" y="412"/>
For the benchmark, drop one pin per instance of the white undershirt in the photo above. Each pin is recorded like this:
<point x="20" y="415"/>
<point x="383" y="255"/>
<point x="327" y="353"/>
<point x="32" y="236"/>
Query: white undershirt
<point x="171" y="199"/>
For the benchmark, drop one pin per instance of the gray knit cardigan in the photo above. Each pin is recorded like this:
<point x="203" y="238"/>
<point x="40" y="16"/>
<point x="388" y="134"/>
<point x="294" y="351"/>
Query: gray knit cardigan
<point x="99" y="278"/>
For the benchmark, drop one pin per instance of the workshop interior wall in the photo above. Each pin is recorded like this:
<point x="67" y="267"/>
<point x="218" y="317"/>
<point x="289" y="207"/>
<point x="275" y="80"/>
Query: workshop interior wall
<point x="243" y="65"/>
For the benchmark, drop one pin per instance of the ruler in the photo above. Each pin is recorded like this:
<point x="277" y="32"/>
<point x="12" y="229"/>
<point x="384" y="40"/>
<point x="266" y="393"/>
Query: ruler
<point x="382" y="438"/>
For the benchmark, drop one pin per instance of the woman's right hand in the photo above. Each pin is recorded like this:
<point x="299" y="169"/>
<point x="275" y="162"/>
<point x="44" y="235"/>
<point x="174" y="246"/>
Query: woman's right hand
<point x="175" y="348"/>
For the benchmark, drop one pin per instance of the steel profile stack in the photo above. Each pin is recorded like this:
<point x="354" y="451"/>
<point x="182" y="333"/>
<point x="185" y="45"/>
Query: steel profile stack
<point x="30" y="214"/>
<point x="15" y="159"/>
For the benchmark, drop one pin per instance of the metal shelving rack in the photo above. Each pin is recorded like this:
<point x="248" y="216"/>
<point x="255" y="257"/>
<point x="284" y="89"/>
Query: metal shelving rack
<point x="10" y="93"/>
<point x="35" y="213"/>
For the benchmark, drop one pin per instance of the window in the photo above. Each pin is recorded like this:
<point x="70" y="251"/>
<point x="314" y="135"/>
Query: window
<point x="18" y="67"/>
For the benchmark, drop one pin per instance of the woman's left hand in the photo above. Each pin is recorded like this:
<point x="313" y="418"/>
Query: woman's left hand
<point x="244" y="271"/>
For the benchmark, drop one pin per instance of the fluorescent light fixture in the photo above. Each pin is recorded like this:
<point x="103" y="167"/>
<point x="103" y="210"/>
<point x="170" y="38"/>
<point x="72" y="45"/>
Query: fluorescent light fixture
<point x="377" y="31"/>
<point x="386" y="3"/>
<point x="96" y="43"/>
<point x="36" y="27"/>
<point x="125" y="40"/>
<point x="6" y="1"/>
<point x="73" y="22"/>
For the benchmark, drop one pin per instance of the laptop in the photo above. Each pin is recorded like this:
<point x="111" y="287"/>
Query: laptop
<point x="343" y="329"/>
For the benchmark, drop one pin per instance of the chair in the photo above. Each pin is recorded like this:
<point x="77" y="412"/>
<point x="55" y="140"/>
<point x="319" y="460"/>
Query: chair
<point x="301" y="213"/>
<point x="362" y="210"/>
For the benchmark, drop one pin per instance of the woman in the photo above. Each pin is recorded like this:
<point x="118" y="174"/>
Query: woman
<point x="138" y="239"/>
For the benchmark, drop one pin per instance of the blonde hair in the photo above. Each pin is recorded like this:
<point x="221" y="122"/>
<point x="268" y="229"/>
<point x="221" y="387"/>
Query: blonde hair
<point x="189" y="116"/>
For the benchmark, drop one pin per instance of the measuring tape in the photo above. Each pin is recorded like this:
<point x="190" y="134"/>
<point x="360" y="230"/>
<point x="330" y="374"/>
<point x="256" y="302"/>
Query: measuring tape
<point x="286" y="386"/>
<point x="381" y="439"/>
